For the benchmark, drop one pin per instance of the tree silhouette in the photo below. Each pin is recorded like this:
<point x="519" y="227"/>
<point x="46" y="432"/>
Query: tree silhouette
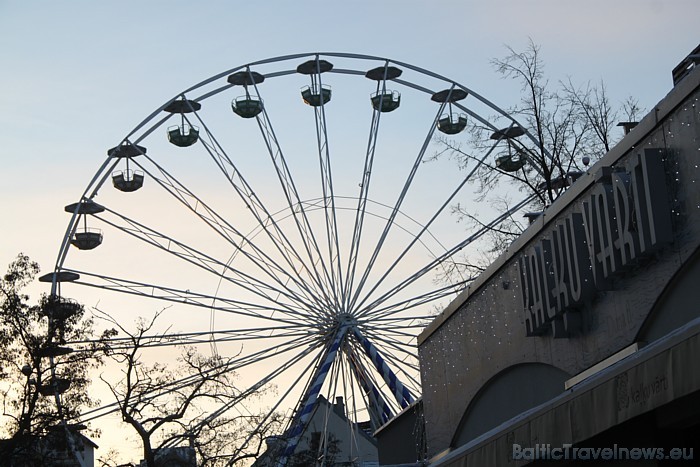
<point x="174" y="405"/>
<point x="570" y="128"/>
<point x="43" y="381"/>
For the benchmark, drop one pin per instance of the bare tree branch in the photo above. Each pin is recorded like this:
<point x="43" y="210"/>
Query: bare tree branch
<point x="168" y="405"/>
<point x="571" y="126"/>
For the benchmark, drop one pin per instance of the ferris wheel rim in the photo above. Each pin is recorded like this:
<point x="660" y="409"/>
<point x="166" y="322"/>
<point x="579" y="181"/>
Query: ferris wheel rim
<point x="389" y="345"/>
<point x="90" y="194"/>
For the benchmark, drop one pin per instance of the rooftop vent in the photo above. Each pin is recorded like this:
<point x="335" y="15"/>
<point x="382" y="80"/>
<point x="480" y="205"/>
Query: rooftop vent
<point x="686" y="65"/>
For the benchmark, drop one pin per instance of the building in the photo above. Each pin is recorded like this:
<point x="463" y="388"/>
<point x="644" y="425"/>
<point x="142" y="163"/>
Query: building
<point x="401" y="441"/>
<point x="51" y="449"/>
<point x="181" y="456"/>
<point x="584" y="336"/>
<point x="329" y="431"/>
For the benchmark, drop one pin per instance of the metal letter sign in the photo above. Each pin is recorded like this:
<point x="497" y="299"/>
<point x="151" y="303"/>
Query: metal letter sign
<point x="624" y="219"/>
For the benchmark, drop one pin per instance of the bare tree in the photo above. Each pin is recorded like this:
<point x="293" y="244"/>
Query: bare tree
<point x="170" y="406"/>
<point x="218" y="442"/>
<point x="570" y="127"/>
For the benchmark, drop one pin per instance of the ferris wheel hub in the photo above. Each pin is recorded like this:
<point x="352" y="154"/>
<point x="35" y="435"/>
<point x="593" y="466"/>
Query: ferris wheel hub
<point x="345" y="319"/>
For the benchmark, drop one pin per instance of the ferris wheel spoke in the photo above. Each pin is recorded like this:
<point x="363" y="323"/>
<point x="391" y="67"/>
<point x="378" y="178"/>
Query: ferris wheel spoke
<point x="192" y="298"/>
<point x="398" y="331"/>
<point x="362" y="198"/>
<point x="425" y="227"/>
<point x="237" y="363"/>
<point x="352" y="424"/>
<point x="338" y="388"/>
<point x="261" y="260"/>
<point x="412" y="321"/>
<point x="274" y="351"/>
<point x="224" y="229"/>
<point x="311" y="342"/>
<point x="446" y="256"/>
<point x="302" y="375"/>
<point x="397" y="206"/>
<point x="230" y="365"/>
<point x="397" y="324"/>
<point x="417" y="301"/>
<point x="316" y="260"/>
<point x="261" y="213"/>
<point x="329" y="208"/>
<point x="205" y="262"/>
<point x="253" y="203"/>
<point x="195" y="338"/>
<point x="294" y="345"/>
<point x="308" y="369"/>
<point x="336" y="371"/>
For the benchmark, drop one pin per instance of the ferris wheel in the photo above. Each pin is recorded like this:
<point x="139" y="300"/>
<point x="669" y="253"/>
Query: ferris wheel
<point x="287" y="212"/>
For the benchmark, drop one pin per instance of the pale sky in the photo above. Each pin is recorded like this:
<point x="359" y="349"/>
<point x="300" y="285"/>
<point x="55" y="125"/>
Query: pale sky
<point x="78" y="75"/>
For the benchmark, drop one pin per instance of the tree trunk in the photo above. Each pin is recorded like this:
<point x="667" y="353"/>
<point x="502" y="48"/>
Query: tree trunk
<point x="148" y="454"/>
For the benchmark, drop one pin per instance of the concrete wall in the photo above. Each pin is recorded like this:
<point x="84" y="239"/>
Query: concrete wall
<point x="483" y="331"/>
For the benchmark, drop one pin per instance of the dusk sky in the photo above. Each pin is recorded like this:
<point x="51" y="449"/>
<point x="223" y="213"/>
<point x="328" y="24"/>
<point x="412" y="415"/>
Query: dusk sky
<point x="78" y="75"/>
